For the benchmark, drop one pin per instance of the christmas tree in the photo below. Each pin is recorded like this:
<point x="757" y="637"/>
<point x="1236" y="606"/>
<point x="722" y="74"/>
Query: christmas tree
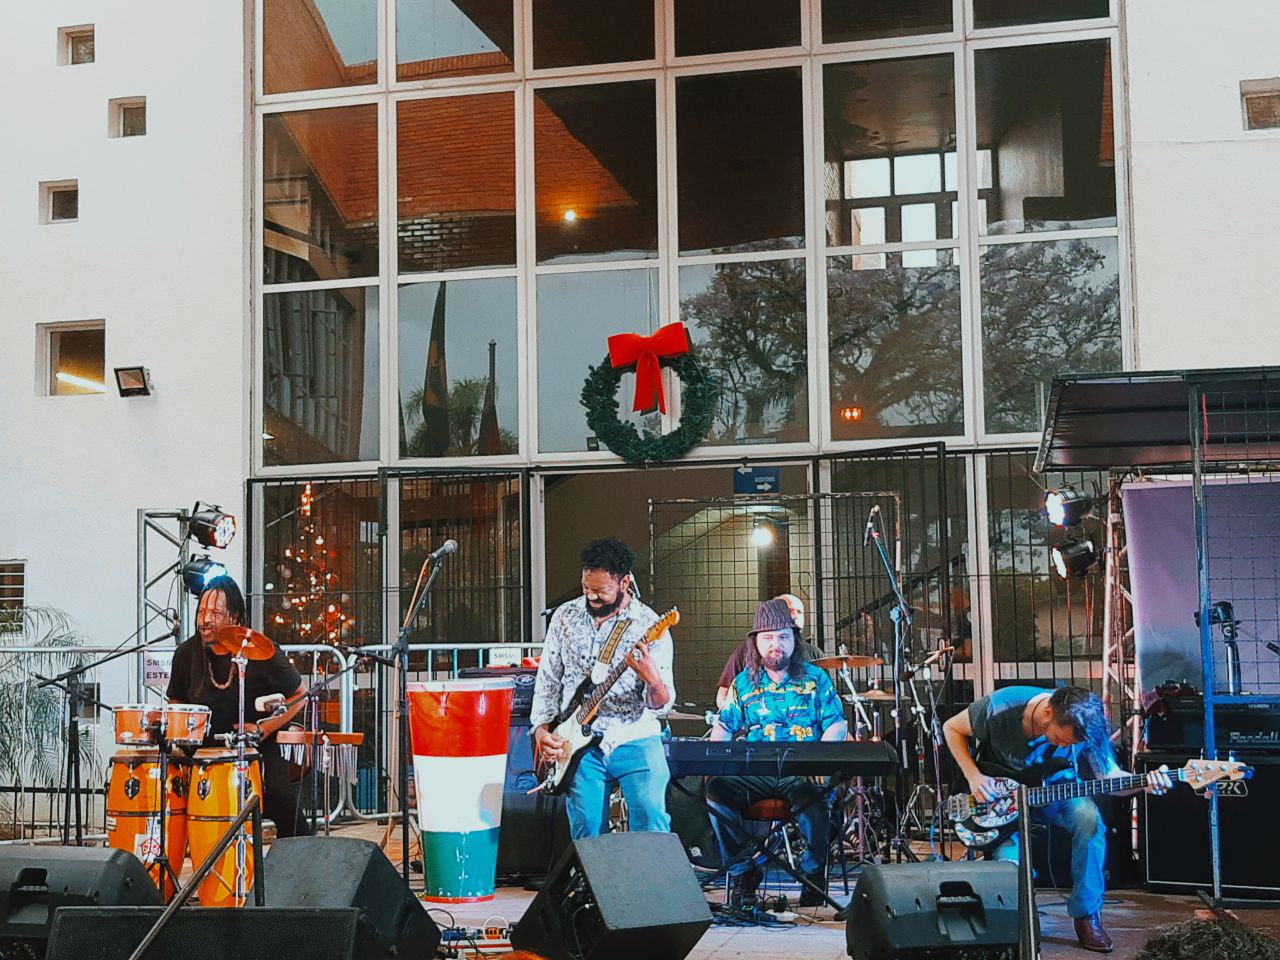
<point x="311" y="604"/>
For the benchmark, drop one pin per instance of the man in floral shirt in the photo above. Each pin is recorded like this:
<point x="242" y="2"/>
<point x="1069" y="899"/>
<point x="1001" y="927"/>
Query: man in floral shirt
<point x="631" y="754"/>
<point x="779" y="696"/>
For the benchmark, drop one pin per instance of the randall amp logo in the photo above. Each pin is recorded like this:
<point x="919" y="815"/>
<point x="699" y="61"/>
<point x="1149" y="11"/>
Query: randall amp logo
<point x="1254" y="738"/>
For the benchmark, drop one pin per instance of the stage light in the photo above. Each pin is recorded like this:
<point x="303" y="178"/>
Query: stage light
<point x="210" y="527"/>
<point x="1067" y="507"/>
<point x="570" y="216"/>
<point x="197" y="574"/>
<point x="1073" y="558"/>
<point x="762" y="534"/>
<point x="850" y="414"/>
<point x="133" y="381"/>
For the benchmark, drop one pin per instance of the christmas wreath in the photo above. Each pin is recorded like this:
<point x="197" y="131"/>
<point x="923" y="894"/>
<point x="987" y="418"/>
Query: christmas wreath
<point x="669" y="347"/>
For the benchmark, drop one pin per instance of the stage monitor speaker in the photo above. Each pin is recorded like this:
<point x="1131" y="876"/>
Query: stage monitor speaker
<point x="250" y="933"/>
<point x="912" y="911"/>
<point x="36" y="881"/>
<point x="1174" y="830"/>
<point x="620" y="896"/>
<point x="333" y="872"/>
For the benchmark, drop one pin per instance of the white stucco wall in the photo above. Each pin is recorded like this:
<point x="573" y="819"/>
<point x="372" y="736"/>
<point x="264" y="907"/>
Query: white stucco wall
<point x="159" y="253"/>
<point x="1206" y="192"/>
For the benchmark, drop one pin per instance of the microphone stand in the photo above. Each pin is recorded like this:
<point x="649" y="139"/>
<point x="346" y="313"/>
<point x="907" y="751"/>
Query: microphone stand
<point x="901" y="617"/>
<point x="69" y="682"/>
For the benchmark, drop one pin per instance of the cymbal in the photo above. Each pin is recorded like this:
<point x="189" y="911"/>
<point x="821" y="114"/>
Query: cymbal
<point x="846" y="660"/>
<point x="874" y="695"/>
<point x="233" y="639"/>
<point x="681" y="715"/>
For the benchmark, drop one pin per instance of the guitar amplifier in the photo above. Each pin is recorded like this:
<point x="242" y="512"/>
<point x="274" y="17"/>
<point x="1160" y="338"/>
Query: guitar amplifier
<point x="522" y="677"/>
<point x="1174" y="830"/>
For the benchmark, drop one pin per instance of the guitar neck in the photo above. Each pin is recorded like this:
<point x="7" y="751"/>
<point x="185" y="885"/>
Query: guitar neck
<point x="592" y="703"/>
<point x="1069" y="789"/>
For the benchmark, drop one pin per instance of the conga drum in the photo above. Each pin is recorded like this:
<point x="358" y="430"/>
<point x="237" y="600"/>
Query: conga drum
<point x="213" y="802"/>
<point x="459" y="731"/>
<point x="133" y="812"/>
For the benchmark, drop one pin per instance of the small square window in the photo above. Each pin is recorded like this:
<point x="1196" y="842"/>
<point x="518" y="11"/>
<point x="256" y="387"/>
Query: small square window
<point x="60" y="201"/>
<point x="1261" y="102"/>
<point x="127" y="117"/>
<point x="13" y="594"/>
<point x="75" y="45"/>
<point x="74" y="358"/>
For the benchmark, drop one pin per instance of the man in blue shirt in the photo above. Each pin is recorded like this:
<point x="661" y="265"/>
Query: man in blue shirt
<point x="1019" y="727"/>
<point x="778" y="696"/>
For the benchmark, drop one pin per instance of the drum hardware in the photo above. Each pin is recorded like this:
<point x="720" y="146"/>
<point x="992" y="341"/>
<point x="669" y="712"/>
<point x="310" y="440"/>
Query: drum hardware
<point x="317" y="736"/>
<point x="931" y="727"/>
<point x="847" y="661"/>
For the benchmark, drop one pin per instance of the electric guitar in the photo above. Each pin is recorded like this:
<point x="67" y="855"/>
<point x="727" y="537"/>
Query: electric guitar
<point x="980" y="825"/>
<point x="573" y="723"/>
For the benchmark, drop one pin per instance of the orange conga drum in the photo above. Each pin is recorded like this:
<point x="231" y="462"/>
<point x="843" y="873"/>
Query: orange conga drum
<point x="133" y="812"/>
<point x="213" y="802"/>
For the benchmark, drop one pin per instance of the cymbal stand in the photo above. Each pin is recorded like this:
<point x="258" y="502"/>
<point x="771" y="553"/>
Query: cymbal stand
<point x="934" y="728"/>
<point x="862" y="724"/>
<point x="242" y="780"/>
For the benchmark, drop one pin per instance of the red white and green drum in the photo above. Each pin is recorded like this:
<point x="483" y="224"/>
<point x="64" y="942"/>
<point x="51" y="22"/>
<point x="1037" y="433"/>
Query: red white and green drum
<point x="459" y="731"/>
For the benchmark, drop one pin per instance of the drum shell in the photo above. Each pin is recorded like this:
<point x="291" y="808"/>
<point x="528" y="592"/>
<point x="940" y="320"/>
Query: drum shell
<point x="185" y="723"/>
<point x="133" y="810"/>
<point x="212" y="804"/>
<point x="135" y="723"/>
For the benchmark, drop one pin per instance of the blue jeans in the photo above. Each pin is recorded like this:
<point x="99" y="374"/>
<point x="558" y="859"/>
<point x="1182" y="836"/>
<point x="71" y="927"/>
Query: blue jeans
<point x="640" y="768"/>
<point x="1080" y="818"/>
<point x="729" y="796"/>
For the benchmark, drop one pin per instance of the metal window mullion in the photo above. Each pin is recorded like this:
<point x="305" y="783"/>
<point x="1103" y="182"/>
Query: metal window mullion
<point x="971" y="283"/>
<point x="980" y="584"/>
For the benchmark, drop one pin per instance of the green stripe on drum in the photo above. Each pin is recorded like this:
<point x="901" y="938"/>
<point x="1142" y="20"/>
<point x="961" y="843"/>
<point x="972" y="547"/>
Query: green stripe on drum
<point x="460" y="866"/>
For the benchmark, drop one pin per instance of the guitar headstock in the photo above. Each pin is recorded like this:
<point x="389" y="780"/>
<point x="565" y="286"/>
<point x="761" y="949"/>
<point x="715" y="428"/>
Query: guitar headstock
<point x="664" y="622"/>
<point x="1200" y="773"/>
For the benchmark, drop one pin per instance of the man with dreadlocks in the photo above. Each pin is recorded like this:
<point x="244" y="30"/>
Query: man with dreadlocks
<point x="1020" y="727"/>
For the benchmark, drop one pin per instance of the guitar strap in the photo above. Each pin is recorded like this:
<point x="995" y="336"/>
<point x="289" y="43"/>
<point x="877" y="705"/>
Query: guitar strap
<point x="600" y="669"/>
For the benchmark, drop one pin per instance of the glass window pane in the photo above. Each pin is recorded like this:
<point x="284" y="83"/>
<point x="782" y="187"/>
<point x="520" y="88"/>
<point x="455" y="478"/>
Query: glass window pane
<point x="572" y="33"/>
<point x="458" y="377"/>
<point x="318" y="44"/>
<point x="1044" y="113"/>
<point x="1048" y="309"/>
<point x="77" y="362"/>
<point x="847" y="20"/>
<point x="456" y="182"/>
<point x="722" y="26"/>
<point x="895" y="358"/>
<point x="64" y="204"/>
<point x="889" y="124"/>
<point x="444" y="38"/>
<point x="577" y="313"/>
<point x="1007" y="13"/>
<point x="741" y="171"/>
<point x="747" y="323"/>
<point x="864" y="179"/>
<point x="596" y="172"/>
<point x="868" y="226"/>
<point x="320" y="194"/>
<point x="133" y="121"/>
<point x="919" y="222"/>
<point x="320" y="371"/>
<point x="950" y="182"/>
<point x="921" y="173"/>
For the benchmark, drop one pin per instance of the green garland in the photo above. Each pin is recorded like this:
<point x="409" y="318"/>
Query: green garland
<point x="697" y="408"/>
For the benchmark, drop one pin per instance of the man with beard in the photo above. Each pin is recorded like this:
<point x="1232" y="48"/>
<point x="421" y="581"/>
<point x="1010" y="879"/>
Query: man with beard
<point x="585" y="638"/>
<point x="778" y="696"/>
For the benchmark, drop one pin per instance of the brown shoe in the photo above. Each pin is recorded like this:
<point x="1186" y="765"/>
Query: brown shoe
<point x="1092" y="934"/>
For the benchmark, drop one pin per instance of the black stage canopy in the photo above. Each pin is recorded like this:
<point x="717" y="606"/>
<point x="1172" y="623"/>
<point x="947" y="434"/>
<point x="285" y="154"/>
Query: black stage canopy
<point x="1100" y="421"/>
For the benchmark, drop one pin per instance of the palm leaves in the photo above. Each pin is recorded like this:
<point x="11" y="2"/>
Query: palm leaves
<point x="33" y="718"/>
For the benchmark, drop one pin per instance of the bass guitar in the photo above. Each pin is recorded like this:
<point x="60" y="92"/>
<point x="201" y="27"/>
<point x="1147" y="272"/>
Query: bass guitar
<point x="573" y="723"/>
<point x="981" y="825"/>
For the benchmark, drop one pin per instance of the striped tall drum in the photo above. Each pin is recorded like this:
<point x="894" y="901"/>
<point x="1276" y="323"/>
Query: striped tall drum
<point x="459" y="731"/>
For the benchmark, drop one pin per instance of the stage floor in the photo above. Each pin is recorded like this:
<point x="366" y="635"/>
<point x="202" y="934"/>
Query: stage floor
<point x="1130" y="916"/>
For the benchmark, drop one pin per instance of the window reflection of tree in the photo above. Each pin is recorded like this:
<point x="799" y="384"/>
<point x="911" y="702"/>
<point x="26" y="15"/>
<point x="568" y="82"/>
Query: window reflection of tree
<point x="750" y="332"/>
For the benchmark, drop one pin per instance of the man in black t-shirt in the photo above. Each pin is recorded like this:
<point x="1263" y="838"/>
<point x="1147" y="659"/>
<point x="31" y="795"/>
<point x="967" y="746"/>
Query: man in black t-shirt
<point x="201" y="676"/>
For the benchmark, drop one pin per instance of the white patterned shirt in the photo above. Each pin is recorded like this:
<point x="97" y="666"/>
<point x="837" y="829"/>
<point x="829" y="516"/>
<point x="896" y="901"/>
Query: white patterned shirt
<point x="572" y="646"/>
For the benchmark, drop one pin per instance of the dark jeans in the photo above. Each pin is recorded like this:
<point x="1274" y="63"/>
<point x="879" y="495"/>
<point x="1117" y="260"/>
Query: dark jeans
<point x="729" y="796"/>
<point x="280" y="794"/>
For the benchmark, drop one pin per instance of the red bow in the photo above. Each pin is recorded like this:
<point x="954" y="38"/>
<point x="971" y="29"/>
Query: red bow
<point x="628" y="348"/>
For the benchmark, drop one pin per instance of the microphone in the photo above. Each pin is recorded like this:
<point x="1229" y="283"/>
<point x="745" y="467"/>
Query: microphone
<point x="871" y="519"/>
<point x="446" y="548"/>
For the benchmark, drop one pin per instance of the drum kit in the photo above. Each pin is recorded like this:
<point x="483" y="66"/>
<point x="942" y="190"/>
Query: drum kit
<point x="159" y="801"/>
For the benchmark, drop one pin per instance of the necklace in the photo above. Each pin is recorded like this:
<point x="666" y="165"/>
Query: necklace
<point x="230" y="673"/>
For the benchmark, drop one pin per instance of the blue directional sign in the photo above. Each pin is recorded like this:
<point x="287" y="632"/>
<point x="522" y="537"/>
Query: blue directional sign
<point x="757" y="480"/>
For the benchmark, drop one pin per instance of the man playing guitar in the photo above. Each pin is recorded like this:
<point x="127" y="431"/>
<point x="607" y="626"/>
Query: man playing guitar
<point x="585" y="639"/>
<point x="1020" y="727"/>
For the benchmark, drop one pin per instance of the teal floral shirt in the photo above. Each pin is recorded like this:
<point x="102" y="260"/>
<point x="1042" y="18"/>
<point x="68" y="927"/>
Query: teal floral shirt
<point x="794" y="708"/>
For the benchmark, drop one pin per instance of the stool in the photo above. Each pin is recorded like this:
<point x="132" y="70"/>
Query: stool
<point x="777" y="813"/>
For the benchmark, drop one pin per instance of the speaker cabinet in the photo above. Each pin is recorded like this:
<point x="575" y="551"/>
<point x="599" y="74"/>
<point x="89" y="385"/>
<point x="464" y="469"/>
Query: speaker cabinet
<point x="324" y="873"/>
<point x="620" y="896"/>
<point x="250" y="933"/>
<point x="36" y="881"/>
<point x="1174" y="831"/>
<point x="914" y="911"/>
<point x="535" y="827"/>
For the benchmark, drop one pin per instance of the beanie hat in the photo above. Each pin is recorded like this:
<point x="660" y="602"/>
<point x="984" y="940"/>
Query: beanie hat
<point x="772" y="615"/>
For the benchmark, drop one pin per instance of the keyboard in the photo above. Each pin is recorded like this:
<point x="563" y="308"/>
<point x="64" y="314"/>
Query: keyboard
<point x="740" y="758"/>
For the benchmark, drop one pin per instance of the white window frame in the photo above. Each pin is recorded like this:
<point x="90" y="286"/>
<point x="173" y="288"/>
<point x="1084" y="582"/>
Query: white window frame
<point x="47" y="354"/>
<point x="67" y="36"/>
<point x="47" y="190"/>
<point x="116" y="113"/>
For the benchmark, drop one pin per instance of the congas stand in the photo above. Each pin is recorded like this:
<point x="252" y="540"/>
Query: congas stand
<point x="165" y="874"/>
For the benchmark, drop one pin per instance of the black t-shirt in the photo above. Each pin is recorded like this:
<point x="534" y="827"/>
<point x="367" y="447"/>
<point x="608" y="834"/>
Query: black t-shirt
<point x="737" y="663"/>
<point x="261" y="678"/>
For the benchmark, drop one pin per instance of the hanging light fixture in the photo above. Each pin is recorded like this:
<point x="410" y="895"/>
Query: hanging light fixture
<point x="1073" y="558"/>
<point x="762" y="534"/>
<point x="1067" y="506"/>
